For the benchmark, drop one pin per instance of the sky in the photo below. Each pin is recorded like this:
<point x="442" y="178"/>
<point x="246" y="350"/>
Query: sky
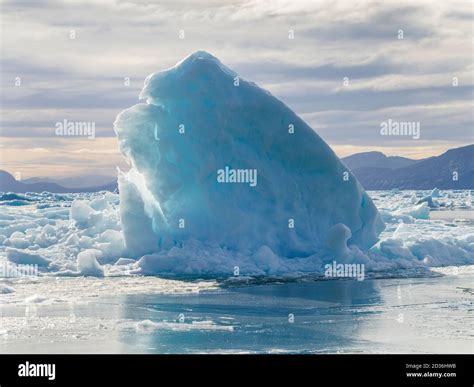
<point x="343" y="66"/>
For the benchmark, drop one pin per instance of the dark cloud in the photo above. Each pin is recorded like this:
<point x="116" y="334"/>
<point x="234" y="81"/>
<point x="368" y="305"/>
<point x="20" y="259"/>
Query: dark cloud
<point x="370" y="100"/>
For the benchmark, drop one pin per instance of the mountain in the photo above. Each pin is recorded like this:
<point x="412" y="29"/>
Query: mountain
<point x="377" y="160"/>
<point x="433" y="172"/>
<point x="9" y="184"/>
<point x="74" y="181"/>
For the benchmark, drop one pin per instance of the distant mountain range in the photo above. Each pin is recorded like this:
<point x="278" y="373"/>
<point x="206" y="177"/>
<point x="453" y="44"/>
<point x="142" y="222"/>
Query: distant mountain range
<point x="74" y="181"/>
<point x="453" y="169"/>
<point x="374" y="170"/>
<point x="376" y="160"/>
<point x="9" y="184"/>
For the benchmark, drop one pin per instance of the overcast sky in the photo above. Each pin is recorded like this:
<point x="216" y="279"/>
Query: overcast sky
<point x="83" y="79"/>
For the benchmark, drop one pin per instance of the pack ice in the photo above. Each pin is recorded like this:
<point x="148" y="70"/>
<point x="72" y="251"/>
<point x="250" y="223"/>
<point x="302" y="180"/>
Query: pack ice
<point x="193" y="147"/>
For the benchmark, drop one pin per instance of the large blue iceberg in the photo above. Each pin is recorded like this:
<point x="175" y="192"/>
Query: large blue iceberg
<point x="216" y="160"/>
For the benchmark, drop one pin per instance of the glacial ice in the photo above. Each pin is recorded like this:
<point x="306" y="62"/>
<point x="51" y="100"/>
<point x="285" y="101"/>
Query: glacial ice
<point x="52" y="234"/>
<point x="174" y="218"/>
<point x="87" y="263"/>
<point x="201" y="120"/>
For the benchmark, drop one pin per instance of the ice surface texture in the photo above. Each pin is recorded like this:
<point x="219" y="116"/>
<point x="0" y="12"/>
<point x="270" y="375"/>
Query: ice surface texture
<point x="199" y="117"/>
<point x="81" y="235"/>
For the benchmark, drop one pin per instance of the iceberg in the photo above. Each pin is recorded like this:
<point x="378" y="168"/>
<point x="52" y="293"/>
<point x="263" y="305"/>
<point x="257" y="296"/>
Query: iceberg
<point x="217" y="160"/>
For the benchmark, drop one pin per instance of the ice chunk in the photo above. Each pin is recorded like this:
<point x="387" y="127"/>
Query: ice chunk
<point x="124" y="261"/>
<point x="19" y="240"/>
<point x="217" y="159"/>
<point x="429" y="200"/>
<point x="35" y="299"/>
<point x="99" y="204"/>
<point x="87" y="263"/>
<point x="420" y="211"/>
<point x="136" y="216"/>
<point x="4" y="289"/>
<point x="47" y="236"/>
<point x="25" y="257"/>
<point x="81" y="212"/>
<point x="337" y="238"/>
<point x="395" y="217"/>
<point x="394" y="249"/>
<point x="111" y="244"/>
<point x="148" y="326"/>
<point x="435" y="193"/>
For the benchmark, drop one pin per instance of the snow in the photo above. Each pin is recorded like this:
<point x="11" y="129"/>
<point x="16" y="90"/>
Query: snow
<point x="172" y="195"/>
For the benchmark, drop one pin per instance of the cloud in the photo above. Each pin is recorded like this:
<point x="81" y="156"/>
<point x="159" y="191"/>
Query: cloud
<point x="83" y="78"/>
